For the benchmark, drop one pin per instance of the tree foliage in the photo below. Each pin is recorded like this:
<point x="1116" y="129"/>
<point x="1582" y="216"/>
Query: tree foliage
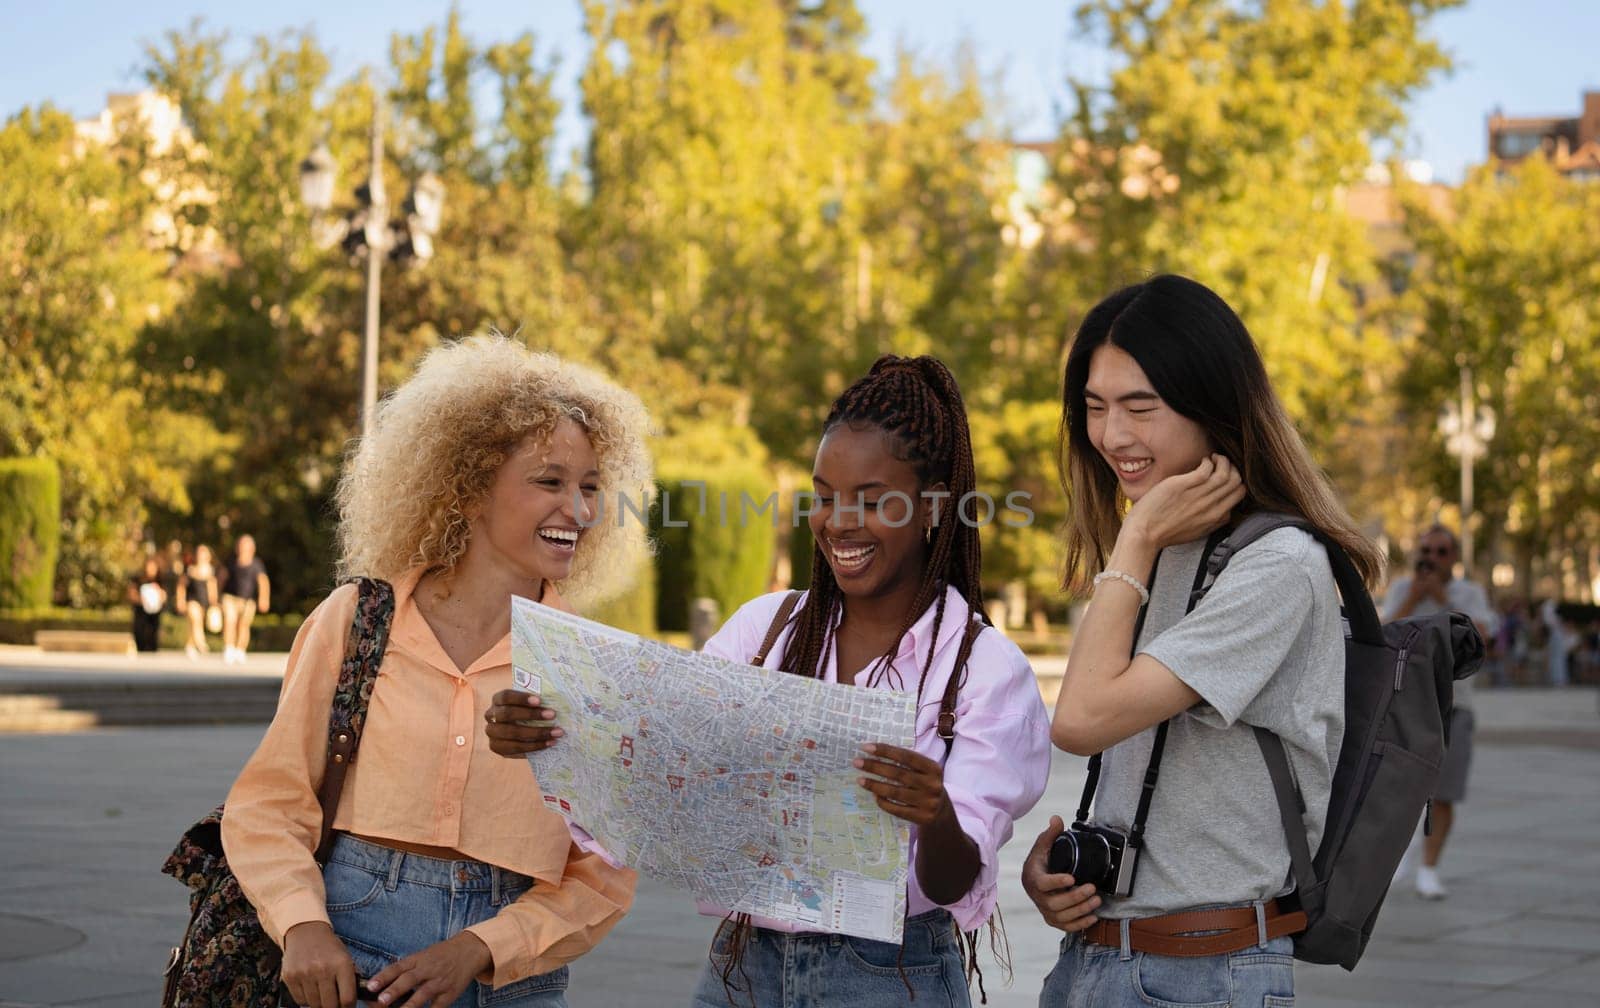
<point x="1220" y="148"/>
<point x="79" y="283"/>
<point x="759" y="212"/>
<point x="1504" y="286"/>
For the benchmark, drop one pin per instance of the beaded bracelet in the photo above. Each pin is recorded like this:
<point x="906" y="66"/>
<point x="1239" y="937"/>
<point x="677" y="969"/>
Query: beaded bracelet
<point x="1126" y="578"/>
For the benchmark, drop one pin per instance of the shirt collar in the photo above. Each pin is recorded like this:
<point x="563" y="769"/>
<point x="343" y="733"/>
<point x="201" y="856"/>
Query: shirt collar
<point x="411" y="630"/>
<point x="917" y="642"/>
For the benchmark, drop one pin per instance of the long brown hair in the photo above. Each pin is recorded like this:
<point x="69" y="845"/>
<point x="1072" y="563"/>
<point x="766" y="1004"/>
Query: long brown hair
<point x="917" y="402"/>
<point x="1202" y="362"/>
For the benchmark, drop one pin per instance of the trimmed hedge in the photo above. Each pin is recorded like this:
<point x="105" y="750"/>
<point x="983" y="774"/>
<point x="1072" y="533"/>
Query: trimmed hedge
<point x="801" y="548"/>
<point x="268" y="631"/>
<point x="30" y="530"/>
<point x="723" y="551"/>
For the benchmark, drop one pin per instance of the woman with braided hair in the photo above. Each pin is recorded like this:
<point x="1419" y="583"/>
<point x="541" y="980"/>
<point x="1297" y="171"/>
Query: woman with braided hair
<point x="895" y="603"/>
<point x="894" y="591"/>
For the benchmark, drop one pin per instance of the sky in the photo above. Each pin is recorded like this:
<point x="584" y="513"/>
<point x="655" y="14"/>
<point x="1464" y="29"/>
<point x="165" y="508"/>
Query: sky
<point x="1526" y="57"/>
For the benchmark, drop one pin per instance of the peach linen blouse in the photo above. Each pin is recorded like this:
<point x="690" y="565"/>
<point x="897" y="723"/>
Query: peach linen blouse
<point x="423" y="774"/>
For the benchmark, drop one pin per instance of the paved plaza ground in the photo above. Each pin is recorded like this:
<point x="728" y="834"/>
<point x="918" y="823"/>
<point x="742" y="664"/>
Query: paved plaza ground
<point x="86" y="918"/>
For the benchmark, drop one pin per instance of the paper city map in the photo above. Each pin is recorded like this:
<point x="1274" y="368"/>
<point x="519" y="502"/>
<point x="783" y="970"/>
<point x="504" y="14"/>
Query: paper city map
<point x="732" y="782"/>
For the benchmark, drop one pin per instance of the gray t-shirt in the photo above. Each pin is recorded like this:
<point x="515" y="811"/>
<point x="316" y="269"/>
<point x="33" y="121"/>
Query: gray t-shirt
<point x="1265" y="647"/>
<point x="1464" y="597"/>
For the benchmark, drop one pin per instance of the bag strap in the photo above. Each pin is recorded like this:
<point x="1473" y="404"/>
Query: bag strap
<point x="779" y="621"/>
<point x="1158" y="747"/>
<point x="363" y="654"/>
<point x="952" y="689"/>
<point x="1359" y="611"/>
<point x="1291" y="807"/>
<point x="1362" y="618"/>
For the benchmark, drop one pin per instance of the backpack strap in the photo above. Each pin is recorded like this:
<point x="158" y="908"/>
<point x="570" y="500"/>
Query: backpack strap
<point x="1291" y="807"/>
<point x="779" y="621"/>
<point x="358" y="672"/>
<point x="952" y="689"/>
<point x="1361" y="618"/>
<point x="1359" y="611"/>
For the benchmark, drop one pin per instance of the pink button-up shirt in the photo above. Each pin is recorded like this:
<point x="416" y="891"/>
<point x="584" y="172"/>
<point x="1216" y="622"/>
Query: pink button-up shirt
<point x="1000" y="758"/>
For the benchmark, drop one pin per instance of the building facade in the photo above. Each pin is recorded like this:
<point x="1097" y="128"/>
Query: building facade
<point x="1571" y="143"/>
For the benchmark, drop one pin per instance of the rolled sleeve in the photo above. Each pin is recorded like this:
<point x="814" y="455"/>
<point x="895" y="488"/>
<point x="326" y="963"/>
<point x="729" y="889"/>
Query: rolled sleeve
<point x="998" y="766"/>
<point x="551" y="925"/>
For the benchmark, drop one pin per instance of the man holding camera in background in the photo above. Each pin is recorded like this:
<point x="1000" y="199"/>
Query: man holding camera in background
<point x="1432" y="587"/>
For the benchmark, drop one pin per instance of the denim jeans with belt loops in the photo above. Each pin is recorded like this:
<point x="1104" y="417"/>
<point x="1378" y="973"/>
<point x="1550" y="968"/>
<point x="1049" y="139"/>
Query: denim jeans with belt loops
<point x="1097" y="976"/>
<point x="811" y="970"/>
<point x="386" y="904"/>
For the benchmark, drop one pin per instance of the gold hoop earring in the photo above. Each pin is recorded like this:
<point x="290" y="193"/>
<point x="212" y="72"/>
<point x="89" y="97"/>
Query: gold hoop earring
<point x="927" y="534"/>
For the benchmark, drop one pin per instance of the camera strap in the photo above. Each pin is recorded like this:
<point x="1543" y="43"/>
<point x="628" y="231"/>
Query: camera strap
<point x="1158" y="747"/>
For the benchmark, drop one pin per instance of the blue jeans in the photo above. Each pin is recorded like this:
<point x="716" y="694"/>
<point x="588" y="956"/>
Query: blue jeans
<point x="386" y="904"/>
<point x="813" y="970"/>
<point x="1095" y="976"/>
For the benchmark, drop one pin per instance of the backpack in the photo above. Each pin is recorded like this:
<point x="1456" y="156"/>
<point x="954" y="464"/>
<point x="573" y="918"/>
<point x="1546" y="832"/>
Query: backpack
<point x="1398" y="691"/>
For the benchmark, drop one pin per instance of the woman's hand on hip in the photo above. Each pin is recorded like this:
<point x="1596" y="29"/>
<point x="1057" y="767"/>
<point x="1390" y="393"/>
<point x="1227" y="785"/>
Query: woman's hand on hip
<point x="1187" y="506"/>
<point x="509" y="724"/>
<point x="317" y="967"/>
<point x="435" y="976"/>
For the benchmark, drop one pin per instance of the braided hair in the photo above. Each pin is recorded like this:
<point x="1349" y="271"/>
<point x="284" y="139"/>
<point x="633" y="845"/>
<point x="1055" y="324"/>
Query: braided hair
<point x="914" y="400"/>
<point x="917" y="403"/>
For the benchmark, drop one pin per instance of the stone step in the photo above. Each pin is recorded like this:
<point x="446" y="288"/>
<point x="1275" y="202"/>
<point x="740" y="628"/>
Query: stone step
<point x="45" y="722"/>
<point x="94" y="641"/>
<point x="72" y="705"/>
<point x="27" y="703"/>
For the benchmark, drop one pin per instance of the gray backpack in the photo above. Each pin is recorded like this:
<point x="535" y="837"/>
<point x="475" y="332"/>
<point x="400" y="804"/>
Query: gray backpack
<point x="1398" y="688"/>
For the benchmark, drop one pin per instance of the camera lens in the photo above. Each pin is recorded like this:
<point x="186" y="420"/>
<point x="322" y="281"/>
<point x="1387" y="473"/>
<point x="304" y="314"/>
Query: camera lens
<point x="1085" y="856"/>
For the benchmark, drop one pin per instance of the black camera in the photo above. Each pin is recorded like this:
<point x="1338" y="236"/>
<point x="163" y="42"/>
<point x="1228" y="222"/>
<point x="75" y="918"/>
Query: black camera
<point x="1096" y="854"/>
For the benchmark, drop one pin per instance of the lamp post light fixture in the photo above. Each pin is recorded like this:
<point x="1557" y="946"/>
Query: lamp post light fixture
<point x="367" y="231"/>
<point x="1467" y="431"/>
<point x="317" y="176"/>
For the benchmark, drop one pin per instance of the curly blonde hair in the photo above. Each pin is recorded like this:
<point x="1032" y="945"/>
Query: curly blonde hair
<point x="437" y="441"/>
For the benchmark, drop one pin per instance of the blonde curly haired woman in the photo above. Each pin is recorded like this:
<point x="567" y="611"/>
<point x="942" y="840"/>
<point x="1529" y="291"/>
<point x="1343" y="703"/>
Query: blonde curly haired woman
<point x="447" y="877"/>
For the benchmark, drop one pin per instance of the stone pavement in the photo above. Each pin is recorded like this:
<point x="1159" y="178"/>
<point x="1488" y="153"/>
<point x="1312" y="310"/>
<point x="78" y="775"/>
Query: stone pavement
<point x="21" y="662"/>
<point x="86" y="918"/>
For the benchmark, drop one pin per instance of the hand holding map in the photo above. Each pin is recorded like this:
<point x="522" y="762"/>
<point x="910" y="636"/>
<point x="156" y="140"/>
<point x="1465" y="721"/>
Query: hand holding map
<point x="732" y="782"/>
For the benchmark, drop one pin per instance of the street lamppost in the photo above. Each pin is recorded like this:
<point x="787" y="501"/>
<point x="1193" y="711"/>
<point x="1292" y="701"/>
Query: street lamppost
<point x="368" y="231"/>
<point x="1467" y="431"/>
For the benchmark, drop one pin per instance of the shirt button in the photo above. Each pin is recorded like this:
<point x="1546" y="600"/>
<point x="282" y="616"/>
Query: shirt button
<point x="461" y="740"/>
<point x="449" y="810"/>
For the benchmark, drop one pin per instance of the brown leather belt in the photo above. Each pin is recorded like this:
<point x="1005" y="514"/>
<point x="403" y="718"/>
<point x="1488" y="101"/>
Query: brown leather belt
<point x="1173" y="934"/>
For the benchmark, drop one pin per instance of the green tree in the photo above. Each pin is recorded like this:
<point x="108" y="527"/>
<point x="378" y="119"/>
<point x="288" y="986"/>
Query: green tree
<point x="81" y="277"/>
<point x="269" y="328"/>
<point x="713" y="227"/>
<point x="1504" y="286"/>
<point x="272" y="330"/>
<point x="499" y="260"/>
<point x="1220" y="147"/>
